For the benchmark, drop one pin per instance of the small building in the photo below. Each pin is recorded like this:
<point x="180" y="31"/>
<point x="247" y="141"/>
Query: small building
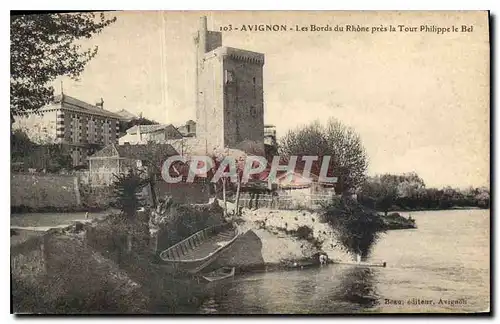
<point x="188" y="129"/>
<point x="144" y="134"/>
<point x="303" y="190"/>
<point x="270" y="135"/>
<point x="116" y="159"/>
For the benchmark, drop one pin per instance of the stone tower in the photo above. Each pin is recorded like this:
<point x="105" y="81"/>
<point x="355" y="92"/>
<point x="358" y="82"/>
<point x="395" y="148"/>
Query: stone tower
<point x="229" y="93"/>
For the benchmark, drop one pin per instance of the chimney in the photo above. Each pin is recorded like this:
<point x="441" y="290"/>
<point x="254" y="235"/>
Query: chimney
<point x="100" y="103"/>
<point x="202" y="33"/>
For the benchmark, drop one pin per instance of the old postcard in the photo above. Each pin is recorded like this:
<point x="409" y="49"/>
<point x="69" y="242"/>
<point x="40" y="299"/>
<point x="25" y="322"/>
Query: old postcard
<point x="250" y="162"/>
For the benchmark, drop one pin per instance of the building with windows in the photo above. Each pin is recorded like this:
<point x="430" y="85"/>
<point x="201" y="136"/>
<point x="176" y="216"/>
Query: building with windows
<point x="81" y="128"/>
<point x="270" y="135"/>
<point x="182" y="138"/>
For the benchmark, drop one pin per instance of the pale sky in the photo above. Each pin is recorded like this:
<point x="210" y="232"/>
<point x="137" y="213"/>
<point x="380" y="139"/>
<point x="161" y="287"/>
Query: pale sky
<point x="420" y="101"/>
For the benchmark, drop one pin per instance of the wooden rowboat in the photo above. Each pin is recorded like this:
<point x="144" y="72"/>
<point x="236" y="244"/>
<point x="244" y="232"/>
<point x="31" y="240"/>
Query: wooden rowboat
<point x="200" y="249"/>
<point x="214" y="282"/>
<point x="218" y="275"/>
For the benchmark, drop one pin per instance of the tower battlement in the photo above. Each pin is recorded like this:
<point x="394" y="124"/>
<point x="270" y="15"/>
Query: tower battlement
<point x="236" y="54"/>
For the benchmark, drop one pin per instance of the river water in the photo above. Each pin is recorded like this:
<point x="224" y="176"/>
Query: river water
<point x="443" y="266"/>
<point x="52" y="219"/>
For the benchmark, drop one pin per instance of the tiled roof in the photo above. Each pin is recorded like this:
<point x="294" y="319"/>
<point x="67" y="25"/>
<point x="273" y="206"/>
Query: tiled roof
<point x="146" y="128"/>
<point x="141" y="152"/>
<point x="69" y="102"/>
<point x="137" y="152"/>
<point x="183" y="130"/>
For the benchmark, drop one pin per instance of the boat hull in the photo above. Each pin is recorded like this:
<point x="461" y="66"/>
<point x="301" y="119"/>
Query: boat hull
<point x="198" y="251"/>
<point x="364" y="264"/>
<point x="215" y="280"/>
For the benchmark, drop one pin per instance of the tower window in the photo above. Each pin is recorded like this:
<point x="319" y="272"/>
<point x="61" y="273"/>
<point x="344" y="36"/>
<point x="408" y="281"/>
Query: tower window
<point x="229" y="77"/>
<point x="253" y="80"/>
<point x="253" y="111"/>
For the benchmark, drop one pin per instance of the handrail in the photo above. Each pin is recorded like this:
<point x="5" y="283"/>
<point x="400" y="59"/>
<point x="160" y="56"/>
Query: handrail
<point x="208" y="256"/>
<point x="189" y="239"/>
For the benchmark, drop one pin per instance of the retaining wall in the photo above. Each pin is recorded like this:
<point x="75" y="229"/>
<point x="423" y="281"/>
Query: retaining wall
<point x="44" y="190"/>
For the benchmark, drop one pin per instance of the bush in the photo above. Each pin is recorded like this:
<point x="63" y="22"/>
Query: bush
<point x="304" y="232"/>
<point x="127" y="188"/>
<point x="357" y="227"/>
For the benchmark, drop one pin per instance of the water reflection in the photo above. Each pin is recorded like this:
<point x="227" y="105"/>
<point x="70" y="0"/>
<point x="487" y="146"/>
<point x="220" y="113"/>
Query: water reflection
<point x="356" y="289"/>
<point x="332" y="289"/>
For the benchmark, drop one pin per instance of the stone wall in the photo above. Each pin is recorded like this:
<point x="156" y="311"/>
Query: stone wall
<point x="243" y="101"/>
<point x="44" y="190"/>
<point x="184" y="193"/>
<point x="209" y="112"/>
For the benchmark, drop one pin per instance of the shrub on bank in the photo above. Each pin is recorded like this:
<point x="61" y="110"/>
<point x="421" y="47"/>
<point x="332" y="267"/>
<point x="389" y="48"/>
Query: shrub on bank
<point x="356" y="227"/>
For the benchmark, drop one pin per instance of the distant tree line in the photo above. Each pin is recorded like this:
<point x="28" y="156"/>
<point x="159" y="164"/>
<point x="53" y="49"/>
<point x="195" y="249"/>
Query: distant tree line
<point x="408" y="192"/>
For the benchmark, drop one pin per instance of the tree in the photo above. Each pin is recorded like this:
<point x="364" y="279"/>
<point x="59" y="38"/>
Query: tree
<point x="127" y="188"/>
<point x="57" y="158"/>
<point x="51" y="157"/>
<point x="406" y="190"/>
<point x="124" y="125"/>
<point x="127" y="191"/>
<point x="483" y="197"/>
<point x="44" y="47"/>
<point x="20" y="144"/>
<point x="382" y="189"/>
<point x="349" y="161"/>
<point x="410" y="185"/>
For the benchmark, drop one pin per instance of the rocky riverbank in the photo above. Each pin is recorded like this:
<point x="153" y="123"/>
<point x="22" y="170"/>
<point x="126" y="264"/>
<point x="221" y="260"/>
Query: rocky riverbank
<point x="278" y="239"/>
<point x="395" y="221"/>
